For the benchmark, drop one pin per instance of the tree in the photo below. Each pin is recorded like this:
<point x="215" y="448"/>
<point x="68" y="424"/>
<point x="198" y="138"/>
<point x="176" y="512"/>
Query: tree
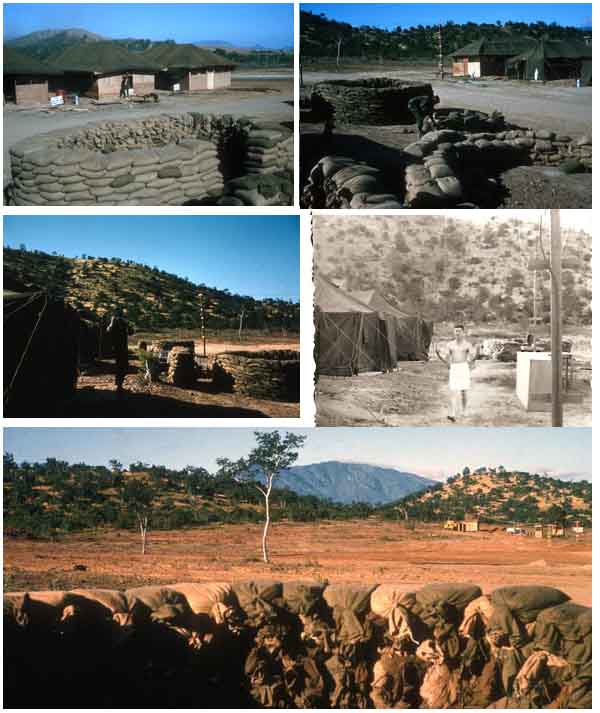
<point x="138" y="497"/>
<point x="272" y="454"/>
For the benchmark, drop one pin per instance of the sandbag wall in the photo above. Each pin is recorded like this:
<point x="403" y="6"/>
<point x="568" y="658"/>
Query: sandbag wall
<point x="163" y="160"/>
<point x="379" y="101"/>
<point x="272" y="375"/>
<point x="298" y="645"/>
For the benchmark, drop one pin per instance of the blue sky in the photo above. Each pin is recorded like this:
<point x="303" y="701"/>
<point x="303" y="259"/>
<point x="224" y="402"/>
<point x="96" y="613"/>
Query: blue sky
<point x="249" y="255"/>
<point x="434" y="452"/>
<point x="391" y="15"/>
<point x="241" y="24"/>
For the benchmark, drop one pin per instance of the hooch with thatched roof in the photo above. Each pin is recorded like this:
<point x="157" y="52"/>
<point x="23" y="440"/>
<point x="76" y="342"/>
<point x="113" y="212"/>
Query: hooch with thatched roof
<point x="188" y="68"/>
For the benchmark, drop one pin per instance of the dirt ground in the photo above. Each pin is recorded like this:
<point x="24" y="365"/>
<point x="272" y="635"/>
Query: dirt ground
<point x="372" y="550"/>
<point x="265" y="96"/>
<point x="416" y="394"/>
<point x="97" y="396"/>
<point x="563" y="109"/>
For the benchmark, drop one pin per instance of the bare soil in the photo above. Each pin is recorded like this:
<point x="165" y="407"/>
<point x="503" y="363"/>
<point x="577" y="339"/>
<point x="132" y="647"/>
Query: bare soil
<point x="373" y="550"/>
<point x="97" y="395"/>
<point x="416" y="394"/>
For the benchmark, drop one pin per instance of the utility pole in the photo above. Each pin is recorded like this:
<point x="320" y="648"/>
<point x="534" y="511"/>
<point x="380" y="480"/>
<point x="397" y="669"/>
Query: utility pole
<point x="440" y="52"/>
<point x="202" y="325"/>
<point x="556" y="316"/>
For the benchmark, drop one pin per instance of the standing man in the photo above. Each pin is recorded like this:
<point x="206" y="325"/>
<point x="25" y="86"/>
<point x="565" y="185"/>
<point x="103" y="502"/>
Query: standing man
<point x="119" y="330"/>
<point x="423" y="107"/>
<point x="460" y="359"/>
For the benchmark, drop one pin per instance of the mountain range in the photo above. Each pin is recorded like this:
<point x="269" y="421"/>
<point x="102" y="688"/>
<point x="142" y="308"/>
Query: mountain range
<point x="346" y="483"/>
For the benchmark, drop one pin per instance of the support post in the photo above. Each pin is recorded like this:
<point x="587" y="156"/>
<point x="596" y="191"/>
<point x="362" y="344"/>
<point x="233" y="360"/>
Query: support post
<point x="556" y="317"/>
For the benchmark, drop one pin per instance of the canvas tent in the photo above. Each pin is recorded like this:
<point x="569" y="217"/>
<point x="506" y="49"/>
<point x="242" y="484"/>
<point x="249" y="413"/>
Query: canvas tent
<point x="412" y="333"/>
<point x="487" y="56"/>
<point x="26" y="78"/>
<point x="351" y="337"/>
<point x="41" y="352"/>
<point x="554" y="59"/>
<point x="97" y="69"/>
<point x="189" y="67"/>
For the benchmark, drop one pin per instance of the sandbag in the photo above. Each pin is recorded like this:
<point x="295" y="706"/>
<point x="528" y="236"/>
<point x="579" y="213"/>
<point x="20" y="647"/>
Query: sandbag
<point x="259" y="601"/>
<point x="161" y="603"/>
<point x="215" y="599"/>
<point x="302" y="598"/>
<point x="393" y="603"/>
<point x="396" y="682"/>
<point x="350" y="604"/>
<point x="565" y="630"/>
<point x="440" y="687"/>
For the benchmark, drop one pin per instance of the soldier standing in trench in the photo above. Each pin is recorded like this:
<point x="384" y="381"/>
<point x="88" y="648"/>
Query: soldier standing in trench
<point x="119" y="330"/>
<point x="422" y="108"/>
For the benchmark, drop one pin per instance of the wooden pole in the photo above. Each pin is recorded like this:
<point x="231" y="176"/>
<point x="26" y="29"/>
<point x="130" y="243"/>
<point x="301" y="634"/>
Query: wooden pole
<point x="556" y="317"/>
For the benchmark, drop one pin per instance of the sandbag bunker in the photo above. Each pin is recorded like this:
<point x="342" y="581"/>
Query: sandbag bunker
<point x="163" y="160"/>
<point x="444" y="169"/>
<point x="301" y="645"/>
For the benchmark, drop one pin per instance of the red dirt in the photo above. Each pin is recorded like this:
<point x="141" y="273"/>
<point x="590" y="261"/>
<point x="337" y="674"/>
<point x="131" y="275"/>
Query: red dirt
<point x="334" y="551"/>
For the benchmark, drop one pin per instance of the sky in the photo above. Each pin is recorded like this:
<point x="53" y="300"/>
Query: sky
<point x="389" y="16"/>
<point x="431" y="452"/>
<point x="241" y="24"/>
<point x="248" y="255"/>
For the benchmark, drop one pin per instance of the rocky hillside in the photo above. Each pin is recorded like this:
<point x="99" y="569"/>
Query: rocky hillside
<point x="344" y="482"/>
<point x="501" y="497"/>
<point x="151" y="298"/>
<point x="446" y="267"/>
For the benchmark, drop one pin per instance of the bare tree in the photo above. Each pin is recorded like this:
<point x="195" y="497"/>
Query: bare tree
<point x="272" y="454"/>
<point x="138" y="497"/>
<point x="242" y="315"/>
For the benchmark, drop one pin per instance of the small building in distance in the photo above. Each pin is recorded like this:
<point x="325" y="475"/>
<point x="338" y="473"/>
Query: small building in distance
<point x="522" y="57"/>
<point x="98" y="69"/>
<point x="26" y="79"/>
<point x="187" y="68"/>
<point x="469" y="524"/>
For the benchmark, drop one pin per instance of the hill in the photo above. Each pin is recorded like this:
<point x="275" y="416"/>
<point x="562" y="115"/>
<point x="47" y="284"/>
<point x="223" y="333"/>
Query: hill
<point x="55" y="497"/>
<point x="151" y="298"/>
<point x="346" y="483"/>
<point x="430" y="264"/>
<point x="44" y="44"/>
<point x="319" y="37"/>
<point x="501" y="497"/>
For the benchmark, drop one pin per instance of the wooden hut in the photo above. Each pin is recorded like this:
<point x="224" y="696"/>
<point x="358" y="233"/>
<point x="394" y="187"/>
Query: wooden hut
<point x="188" y="68"/>
<point x="101" y="69"/>
<point x="26" y="79"/>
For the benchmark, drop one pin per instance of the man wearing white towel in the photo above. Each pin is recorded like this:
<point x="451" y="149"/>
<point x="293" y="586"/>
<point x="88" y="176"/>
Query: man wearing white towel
<point x="460" y="358"/>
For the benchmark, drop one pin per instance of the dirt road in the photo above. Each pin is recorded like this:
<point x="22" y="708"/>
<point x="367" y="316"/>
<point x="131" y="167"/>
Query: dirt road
<point x="416" y="394"/>
<point x="269" y="100"/>
<point x="565" y="110"/>
<point x="364" y="550"/>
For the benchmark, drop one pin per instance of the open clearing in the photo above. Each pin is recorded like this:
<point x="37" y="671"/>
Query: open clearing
<point x="260" y="98"/>
<point x="97" y="396"/>
<point x="353" y="551"/>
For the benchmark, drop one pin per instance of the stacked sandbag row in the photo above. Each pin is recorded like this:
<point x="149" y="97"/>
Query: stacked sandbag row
<point x="269" y="149"/>
<point x="304" y="645"/>
<point x="341" y="182"/>
<point x="181" y="367"/>
<point x="379" y="101"/>
<point x="168" y="175"/>
<point x="272" y="375"/>
<point x="257" y="190"/>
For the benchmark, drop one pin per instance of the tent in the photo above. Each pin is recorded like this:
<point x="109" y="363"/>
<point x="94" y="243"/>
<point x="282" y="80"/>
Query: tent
<point x="41" y="345"/>
<point x="554" y="59"/>
<point x="351" y="337"/>
<point x="487" y="56"/>
<point x="191" y="67"/>
<point x="26" y="78"/>
<point x="97" y="69"/>
<point x="412" y="333"/>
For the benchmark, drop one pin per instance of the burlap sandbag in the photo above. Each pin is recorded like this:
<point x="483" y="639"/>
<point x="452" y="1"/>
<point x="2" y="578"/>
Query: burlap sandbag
<point x="349" y="604"/>
<point x="565" y="630"/>
<point x="440" y="687"/>
<point x="15" y="609"/>
<point x="393" y="602"/>
<point x="215" y="599"/>
<point x="259" y="601"/>
<point x="396" y="682"/>
<point x="302" y="598"/>
<point x="477" y="612"/>
<point x="161" y="603"/>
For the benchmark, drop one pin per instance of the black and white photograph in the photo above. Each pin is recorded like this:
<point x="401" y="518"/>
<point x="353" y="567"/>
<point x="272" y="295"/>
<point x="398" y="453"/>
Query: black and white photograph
<point x="431" y="320"/>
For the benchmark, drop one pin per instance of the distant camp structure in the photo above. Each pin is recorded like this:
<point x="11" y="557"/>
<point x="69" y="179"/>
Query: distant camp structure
<point x="519" y="57"/>
<point x="470" y="523"/>
<point x="26" y="79"/>
<point x="188" y="68"/>
<point x="106" y="70"/>
<point x="354" y="336"/>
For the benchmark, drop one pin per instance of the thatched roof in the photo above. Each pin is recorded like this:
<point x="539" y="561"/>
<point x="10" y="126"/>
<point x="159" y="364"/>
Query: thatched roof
<point x="173" y="56"/>
<point x="103" y="58"/>
<point x="19" y="63"/>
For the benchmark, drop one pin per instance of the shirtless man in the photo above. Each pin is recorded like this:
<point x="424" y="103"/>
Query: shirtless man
<point x="460" y="359"/>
